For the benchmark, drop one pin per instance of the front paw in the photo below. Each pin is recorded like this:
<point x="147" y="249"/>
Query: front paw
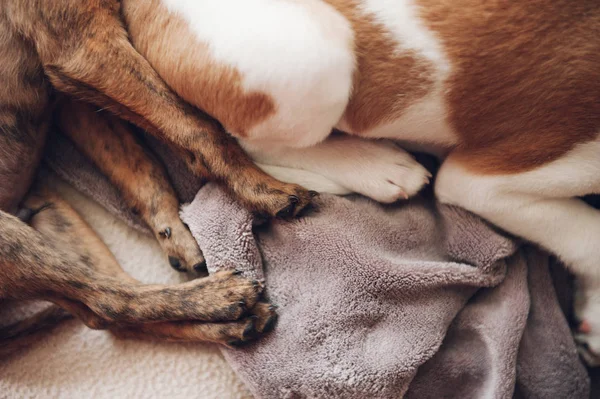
<point x="386" y="173"/>
<point x="262" y="321"/>
<point x="274" y="199"/>
<point x="228" y="295"/>
<point x="181" y="249"/>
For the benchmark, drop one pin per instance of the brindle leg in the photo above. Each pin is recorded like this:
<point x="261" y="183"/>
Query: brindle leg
<point x="261" y="321"/>
<point x="86" y="53"/>
<point x="111" y="145"/>
<point x="66" y="263"/>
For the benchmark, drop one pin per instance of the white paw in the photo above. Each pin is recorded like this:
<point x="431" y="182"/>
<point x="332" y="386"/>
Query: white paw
<point x="587" y="334"/>
<point x="385" y="173"/>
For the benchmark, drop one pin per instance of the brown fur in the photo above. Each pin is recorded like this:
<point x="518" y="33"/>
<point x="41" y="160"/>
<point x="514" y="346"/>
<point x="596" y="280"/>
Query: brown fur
<point x="192" y="69"/>
<point x="526" y="86"/>
<point x="386" y="81"/>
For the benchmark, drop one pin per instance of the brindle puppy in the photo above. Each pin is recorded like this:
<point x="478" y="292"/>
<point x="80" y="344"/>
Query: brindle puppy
<point x="82" y="49"/>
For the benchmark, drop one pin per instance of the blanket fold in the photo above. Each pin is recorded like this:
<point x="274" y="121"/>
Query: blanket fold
<point x="416" y="299"/>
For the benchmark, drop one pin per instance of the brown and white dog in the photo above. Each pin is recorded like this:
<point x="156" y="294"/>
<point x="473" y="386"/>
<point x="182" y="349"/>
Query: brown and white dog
<point x="508" y="93"/>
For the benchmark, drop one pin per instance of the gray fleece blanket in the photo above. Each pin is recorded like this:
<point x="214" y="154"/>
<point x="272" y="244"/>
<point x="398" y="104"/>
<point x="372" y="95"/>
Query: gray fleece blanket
<point x="417" y="299"/>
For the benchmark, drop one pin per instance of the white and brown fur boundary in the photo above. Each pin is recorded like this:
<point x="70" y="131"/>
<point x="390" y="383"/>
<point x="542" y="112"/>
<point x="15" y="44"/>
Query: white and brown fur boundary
<point x="508" y="93"/>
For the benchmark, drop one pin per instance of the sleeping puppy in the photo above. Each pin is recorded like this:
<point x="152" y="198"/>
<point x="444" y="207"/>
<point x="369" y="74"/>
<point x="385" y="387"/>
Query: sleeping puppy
<point x="507" y="93"/>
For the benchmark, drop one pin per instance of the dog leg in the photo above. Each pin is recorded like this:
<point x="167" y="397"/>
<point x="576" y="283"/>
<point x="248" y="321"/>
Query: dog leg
<point x="46" y="211"/>
<point x="85" y="52"/>
<point x="539" y="206"/>
<point x="261" y="321"/>
<point x="111" y="145"/>
<point x="91" y="285"/>
<point x="377" y="169"/>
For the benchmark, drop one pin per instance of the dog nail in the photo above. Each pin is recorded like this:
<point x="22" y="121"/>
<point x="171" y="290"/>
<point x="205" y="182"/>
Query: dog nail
<point x="166" y="233"/>
<point x="287" y="211"/>
<point x="25" y="215"/>
<point x="270" y="324"/>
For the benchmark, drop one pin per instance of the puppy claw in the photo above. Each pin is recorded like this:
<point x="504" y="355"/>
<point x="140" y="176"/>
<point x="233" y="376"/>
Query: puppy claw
<point x="294" y="199"/>
<point x="270" y="324"/>
<point x="250" y="330"/>
<point x="287" y="212"/>
<point x="258" y="286"/>
<point x="26" y="214"/>
<point x="166" y="233"/>
<point x="236" y="343"/>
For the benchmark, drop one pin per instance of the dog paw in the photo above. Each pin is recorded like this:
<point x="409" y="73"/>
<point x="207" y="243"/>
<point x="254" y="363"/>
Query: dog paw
<point x="265" y="315"/>
<point x="228" y="296"/>
<point x="385" y="173"/>
<point x="275" y="199"/>
<point x="181" y="249"/>
<point x="587" y="329"/>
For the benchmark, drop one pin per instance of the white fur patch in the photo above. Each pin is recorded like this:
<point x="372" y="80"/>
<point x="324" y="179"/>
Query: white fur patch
<point x="425" y="120"/>
<point x="345" y="164"/>
<point x="541" y="207"/>
<point x="307" y="179"/>
<point x="298" y="52"/>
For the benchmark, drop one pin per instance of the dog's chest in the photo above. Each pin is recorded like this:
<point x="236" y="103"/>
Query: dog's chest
<point x="401" y="73"/>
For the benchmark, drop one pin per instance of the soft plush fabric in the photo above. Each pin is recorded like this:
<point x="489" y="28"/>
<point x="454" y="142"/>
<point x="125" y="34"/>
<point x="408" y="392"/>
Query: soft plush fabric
<point x="378" y="301"/>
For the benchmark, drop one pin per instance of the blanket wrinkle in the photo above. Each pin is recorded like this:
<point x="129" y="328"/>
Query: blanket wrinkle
<point x="416" y="299"/>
